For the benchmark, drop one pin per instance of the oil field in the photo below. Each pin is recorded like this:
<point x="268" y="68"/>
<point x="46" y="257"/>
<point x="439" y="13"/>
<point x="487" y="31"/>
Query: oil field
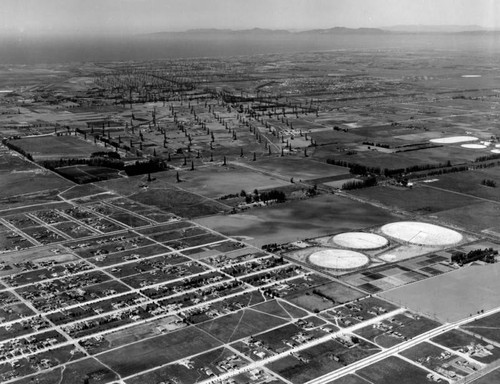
<point x="315" y="216"/>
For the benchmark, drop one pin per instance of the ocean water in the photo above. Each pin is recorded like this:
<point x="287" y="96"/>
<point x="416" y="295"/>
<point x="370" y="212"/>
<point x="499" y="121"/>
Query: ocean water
<point x="34" y="50"/>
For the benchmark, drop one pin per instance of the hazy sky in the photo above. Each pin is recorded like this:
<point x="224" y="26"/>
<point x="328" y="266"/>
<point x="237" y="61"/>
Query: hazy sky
<point x="140" y="16"/>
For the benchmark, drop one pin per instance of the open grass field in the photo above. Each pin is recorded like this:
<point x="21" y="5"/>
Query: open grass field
<point x="417" y="199"/>
<point x="201" y="366"/>
<point x="89" y="369"/>
<point x="431" y="357"/>
<point x="79" y="191"/>
<point x="55" y="147"/>
<point x="171" y="198"/>
<point x="164" y="349"/>
<point x="324" y="296"/>
<point x="393" y="370"/>
<point x="135" y="333"/>
<point x="281" y="309"/>
<point x="82" y="174"/>
<point x="320" y="360"/>
<point x="482" y="216"/>
<point x="218" y="181"/>
<point x="490" y="378"/>
<point x="243" y="323"/>
<point x="470" y="183"/>
<point x="283" y="223"/>
<point x="407" y="326"/>
<point x="350" y="379"/>
<point x="299" y="169"/>
<point x="459" y="341"/>
<point x="487" y="327"/>
<point x="16" y="183"/>
<point x="454" y="299"/>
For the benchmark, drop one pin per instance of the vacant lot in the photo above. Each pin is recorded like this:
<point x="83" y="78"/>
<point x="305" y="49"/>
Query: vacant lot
<point x="488" y="327"/>
<point x="16" y="183"/>
<point x="89" y="369"/>
<point x="350" y="379"/>
<point x="447" y="297"/>
<point x="393" y="370"/>
<point x="490" y="378"/>
<point x="320" y="360"/>
<point x="457" y="340"/>
<point x="169" y="197"/>
<point x="161" y="350"/>
<point x="241" y="324"/>
<point x="283" y="223"/>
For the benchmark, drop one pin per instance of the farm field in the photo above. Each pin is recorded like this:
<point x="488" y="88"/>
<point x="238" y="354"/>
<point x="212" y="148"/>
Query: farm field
<point x="298" y="169"/>
<point x="56" y="147"/>
<point x="470" y="183"/>
<point x="416" y="200"/>
<point x="482" y="216"/>
<point x="324" y="215"/>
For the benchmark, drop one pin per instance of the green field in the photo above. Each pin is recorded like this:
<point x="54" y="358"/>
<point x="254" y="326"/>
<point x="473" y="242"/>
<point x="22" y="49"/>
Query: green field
<point x="457" y="340"/>
<point x="283" y="223"/>
<point x="470" y="183"/>
<point x="243" y="323"/>
<point x="73" y="373"/>
<point x="168" y="197"/>
<point x="320" y="360"/>
<point x="55" y="147"/>
<point x="350" y="379"/>
<point x="490" y="378"/>
<point x="476" y="217"/>
<point x="36" y="180"/>
<point x="161" y="350"/>
<point x="418" y="199"/>
<point x="324" y="296"/>
<point x="82" y="174"/>
<point x="299" y="169"/>
<point x="219" y="181"/>
<point x="487" y="327"/>
<point x="393" y="370"/>
<point x="447" y="298"/>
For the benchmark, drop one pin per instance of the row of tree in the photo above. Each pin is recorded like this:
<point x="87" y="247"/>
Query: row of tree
<point x="487" y="255"/>
<point x="358" y="184"/>
<point x="18" y="149"/>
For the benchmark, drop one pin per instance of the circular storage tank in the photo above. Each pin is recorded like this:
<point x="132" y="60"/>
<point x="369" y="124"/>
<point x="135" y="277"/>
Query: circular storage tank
<point x="473" y="146"/>
<point x="453" y="139"/>
<point x="340" y="259"/>
<point x="360" y="240"/>
<point x="415" y="232"/>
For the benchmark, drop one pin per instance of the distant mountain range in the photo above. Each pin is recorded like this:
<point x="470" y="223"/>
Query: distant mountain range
<point x="398" y="29"/>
